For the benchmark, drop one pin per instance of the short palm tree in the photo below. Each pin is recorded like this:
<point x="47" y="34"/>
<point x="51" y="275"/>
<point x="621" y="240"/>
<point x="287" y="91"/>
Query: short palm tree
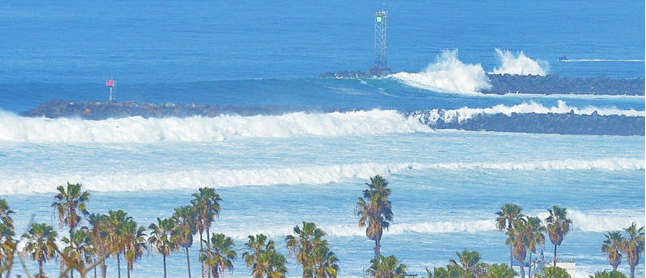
<point x="633" y="246"/>
<point x="324" y="263"/>
<point x="77" y="255"/>
<point x="386" y="267"/>
<point x="375" y="210"/>
<point x="219" y="255"/>
<point x="184" y="230"/>
<point x="160" y="238"/>
<point x="519" y="240"/>
<point x="102" y="246"/>
<point x="115" y="228"/>
<point x="41" y="244"/>
<point x="469" y="262"/>
<point x="558" y="225"/>
<point x="506" y="217"/>
<point x="500" y="271"/>
<point x="262" y="258"/>
<point x="303" y="245"/>
<point x="608" y="274"/>
<point x="612" y="246"/>
<point x="555" y="272"/>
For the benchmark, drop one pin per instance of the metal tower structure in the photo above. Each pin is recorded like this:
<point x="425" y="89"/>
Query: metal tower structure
<point x="113" y="89"/>
<point x="381" y="47"/>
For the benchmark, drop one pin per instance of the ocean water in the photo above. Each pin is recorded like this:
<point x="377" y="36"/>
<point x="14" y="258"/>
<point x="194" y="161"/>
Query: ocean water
<point x="275" y="171"/>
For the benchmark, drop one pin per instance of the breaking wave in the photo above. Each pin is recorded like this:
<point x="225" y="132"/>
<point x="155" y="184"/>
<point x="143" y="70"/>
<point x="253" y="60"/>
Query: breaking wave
<point x="448" y="75"/>
<point x="590" y="221"/>
<point x="466" y="113"/>
<point x="193" y="179"/>
<point x="204" y="129"/>
<point x="519" y="64"/>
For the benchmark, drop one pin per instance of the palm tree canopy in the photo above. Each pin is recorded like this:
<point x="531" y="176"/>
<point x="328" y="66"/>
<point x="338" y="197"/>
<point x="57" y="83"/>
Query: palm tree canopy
<point x="69" y="201"/>
<point x="160" y="236"/>
<point x="219" y="254"/>
<point x="556" y="272"/>
<point x="500" y="271"/>
<point x="633" y="244"/>
<point x="608" y="274"/>
<point x="306" y="240"/>
<point x="184" y="226"/>
<point x="5" y="213"/>
<point x="206" y="204"/>
<point x="387" y="267"/>
<point x="374" y="209"/>
<point x="612" y="246"/>
<point x="41" y="242"/>
<point x="507" y="215"/>
<point x="558" y="224"/>
<point x="468" y="259"/>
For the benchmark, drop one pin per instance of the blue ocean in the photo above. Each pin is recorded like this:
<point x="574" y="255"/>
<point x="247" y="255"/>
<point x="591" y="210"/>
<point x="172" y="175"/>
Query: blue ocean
<point x="311" y="161"/>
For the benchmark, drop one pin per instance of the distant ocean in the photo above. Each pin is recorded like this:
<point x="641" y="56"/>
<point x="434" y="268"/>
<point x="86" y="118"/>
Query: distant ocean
<point x="275" y="171"/>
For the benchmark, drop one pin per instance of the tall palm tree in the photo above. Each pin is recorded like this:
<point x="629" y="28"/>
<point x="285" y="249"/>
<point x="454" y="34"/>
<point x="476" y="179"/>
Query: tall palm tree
<point x="506" y="217"/>
<point x="134" y="243"/>
<point x="100" y="239"/>
<point x="69" y="202"/>
<point x="160" y="238"/>
<point x="633" y="246"/>
<point x="535" y="238"/>
<point x="220" y="255"/>
<point x="303" y="245"/>
<point x="375" y="210"/>
<point x="386" y="267"/>
<point x="262" y="258"/>
<point x="184" y="230"/>
<point x="41" y="244"/>
<point x="115" y="223"/>
<point x="519" y="240"/>
<point x="612" y="246"/>
<point x="207" y="204"/>
<point x="558" y="226"/>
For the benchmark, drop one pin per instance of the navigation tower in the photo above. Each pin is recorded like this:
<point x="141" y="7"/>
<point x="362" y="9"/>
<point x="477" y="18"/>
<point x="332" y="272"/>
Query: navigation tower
<point x="113" y="88"/>
<point x="381" y="47"/>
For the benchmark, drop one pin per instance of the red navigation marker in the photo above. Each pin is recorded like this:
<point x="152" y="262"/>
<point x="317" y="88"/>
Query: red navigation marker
<point x="110" y="83"/>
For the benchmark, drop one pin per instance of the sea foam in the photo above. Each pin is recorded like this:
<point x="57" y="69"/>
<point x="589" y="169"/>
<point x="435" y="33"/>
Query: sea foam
<point x="206" y="176"/>
<point x="519" y="64"/>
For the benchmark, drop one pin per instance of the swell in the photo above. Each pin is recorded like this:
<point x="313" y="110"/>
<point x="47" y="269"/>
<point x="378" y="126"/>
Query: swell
<point x="134" y="180"/>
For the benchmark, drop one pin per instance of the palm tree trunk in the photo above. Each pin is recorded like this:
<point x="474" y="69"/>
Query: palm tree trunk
<point x="216" y="273"/>
<point x="104" y="269"/>
<point x="529" y="271"/>
<point x="555" y="255"/>
<point x="164" y="256"/>
<point x="201" y="248"/>
<point x="41" y="271"/>
<point x="128" y="271"/>
<point x="94" y="261"/>
<point x="208" y="239"/>
<point x="188" y="262"/>
<point x="118" y="266"/>
<point x="522" y="268"/>
<point x="632" y="271"/>
<point x="511" y="260"/>
<point x="377" y="248"/>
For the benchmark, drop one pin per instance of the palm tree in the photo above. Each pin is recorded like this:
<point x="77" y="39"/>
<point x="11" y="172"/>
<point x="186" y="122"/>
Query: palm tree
<point x="134" y="243"/>
<point x="114" y="225"/>
<point x="518" y="240"/>
<point x="535" y="237"/>
<point x="7" y="242"/>
<point x="303" y="245"/>
<point x="555" y="272"/>
<point x="500" y="271"/>
<point x="41" y="244"/>
<point x="506" y="217"/>
<point x="469" y="262"/>
<point x="558" y="226"/>
<point x="160" y="238"/>
<point x="100" y="239"/>
<point x="68" y="203"/>
<point x="612" y="246"/>
<point x="608" y="274"/>
<point x="77" y="254"/>
<point x="184" y="230"/>
<point x="263" y="259"/>
<point x="633" y="246"/>
<point x="206" y="206"/>
<point x="375" y="210"/>
<point x="386" y="267"/>
<point x="324" y="263"/>
<point x="219" y="256"/>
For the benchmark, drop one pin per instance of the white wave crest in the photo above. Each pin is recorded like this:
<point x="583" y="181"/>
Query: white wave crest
<point x="192" y="179"/>
<point x="590" y="221"/>
<point x="519" y="64"/>
<point x="466" y="113"/>
<point x="204" y="129"/>
<point x="448" y="75"/>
